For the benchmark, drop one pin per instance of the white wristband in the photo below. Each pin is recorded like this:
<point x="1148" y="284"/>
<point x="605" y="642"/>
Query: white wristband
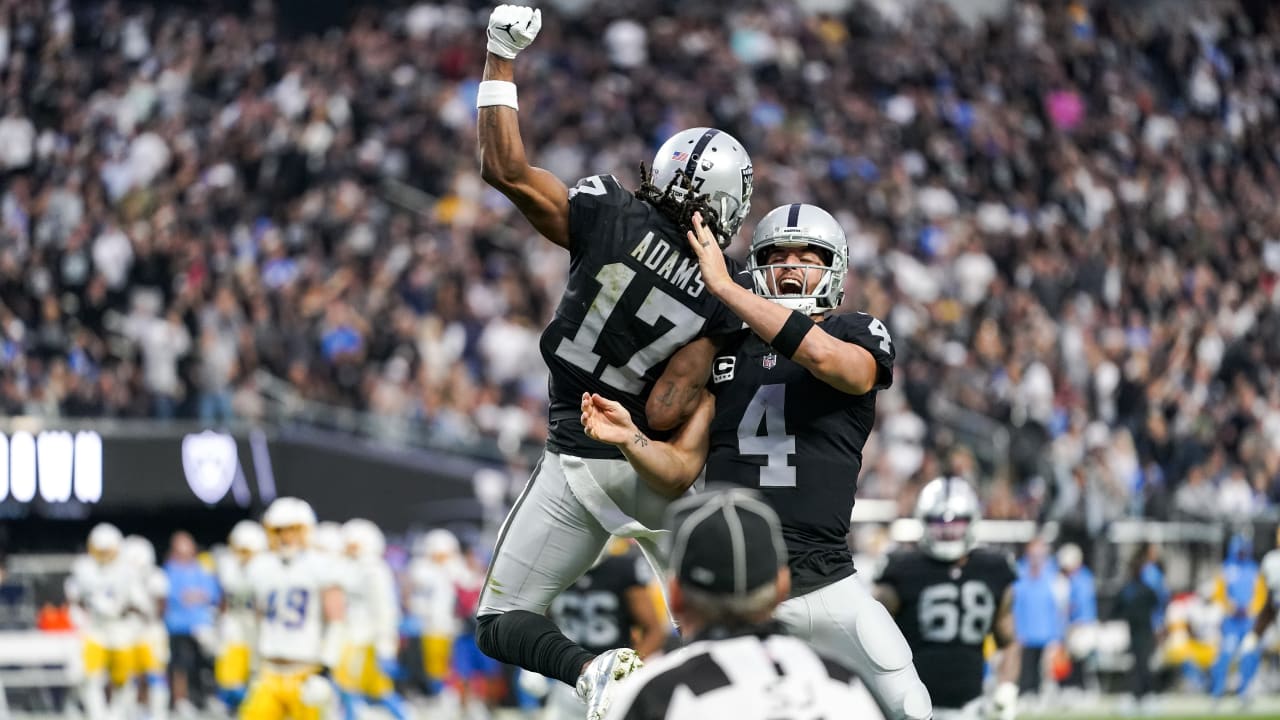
<point x="496" y="92"/>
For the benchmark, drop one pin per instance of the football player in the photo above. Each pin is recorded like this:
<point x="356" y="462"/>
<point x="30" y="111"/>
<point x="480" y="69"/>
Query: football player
<point x="371" y="640"/>
<point x="788" y="417"/>
<point x="298" y="595"/>
<point x="151" y="643"/>
<point x="1242" y="594"/>
<point x="947" y="596"/>
<point x="101" y="589"/>
<point x="605" y="609"/>
<point x="634" y="296"/>
<point x="433" y="599"/>
<point x="237" y="626"/>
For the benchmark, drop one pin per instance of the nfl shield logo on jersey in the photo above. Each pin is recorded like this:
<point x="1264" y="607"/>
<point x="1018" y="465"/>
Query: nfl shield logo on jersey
<point x="770" y="360"/>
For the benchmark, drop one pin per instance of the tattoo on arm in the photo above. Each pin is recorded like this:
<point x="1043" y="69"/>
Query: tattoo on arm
<point x="640" y="440"/>
<point x="666" y="397"/>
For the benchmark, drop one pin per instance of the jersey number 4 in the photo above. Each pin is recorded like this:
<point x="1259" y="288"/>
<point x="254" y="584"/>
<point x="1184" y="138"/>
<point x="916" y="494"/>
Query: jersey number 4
<point x="580" y="350"/>
<point x="948" y="611"/>
<point x="768" y="407"/>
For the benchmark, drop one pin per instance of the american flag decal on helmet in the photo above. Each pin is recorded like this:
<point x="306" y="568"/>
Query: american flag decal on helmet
<point x="680" y="156"/>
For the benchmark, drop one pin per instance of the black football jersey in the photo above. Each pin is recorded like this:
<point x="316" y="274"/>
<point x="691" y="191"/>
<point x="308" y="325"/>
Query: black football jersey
<point x="635" y="295"/>
<point x="594" y="612"/>
<point x="945" y="612"/>
<point x="797" y="440"/>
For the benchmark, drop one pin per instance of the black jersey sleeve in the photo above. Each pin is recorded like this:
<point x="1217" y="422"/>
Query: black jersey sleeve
<point x="591" y="202"/>
<point x="869" y="333"/>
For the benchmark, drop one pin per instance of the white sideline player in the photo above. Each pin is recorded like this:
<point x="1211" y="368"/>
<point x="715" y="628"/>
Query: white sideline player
<point x="151" y="639"/>
<point x="101" y="589"/>
<point x="237" y="625"/>
<point x="372" y="631"/>
<point x="434" y="575"/>
<point x="298" y="594"/>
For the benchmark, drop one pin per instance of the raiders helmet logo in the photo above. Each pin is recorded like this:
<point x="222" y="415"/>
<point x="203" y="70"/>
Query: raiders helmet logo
<point x="210" y="463"/>
<point x="722" y="369"/>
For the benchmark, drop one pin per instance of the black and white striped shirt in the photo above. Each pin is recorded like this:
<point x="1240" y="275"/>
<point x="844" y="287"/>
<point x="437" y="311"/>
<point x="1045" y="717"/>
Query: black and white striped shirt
<point x="749" y="677"/>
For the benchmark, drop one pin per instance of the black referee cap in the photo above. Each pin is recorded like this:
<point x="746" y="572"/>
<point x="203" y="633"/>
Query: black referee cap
<point x="725" y="542"/>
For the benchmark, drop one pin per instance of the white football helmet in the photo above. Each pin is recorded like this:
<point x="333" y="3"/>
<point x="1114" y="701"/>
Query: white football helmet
<point x="138" y="552"/>
<point x="949" y="509"/>
<point x="328" y="539"/>
<point x="104" y="542"/>
<point x="288" y="512"/>
<point x="247" y="538"/>
<point x="706" y="161"/>
<point x="800" y="225"/>
<point x="363" y="539"/>
<point x="438" y="544"/>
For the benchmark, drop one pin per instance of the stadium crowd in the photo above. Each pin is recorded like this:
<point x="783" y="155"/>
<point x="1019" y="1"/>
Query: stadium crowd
<point x="1068" y="218"/>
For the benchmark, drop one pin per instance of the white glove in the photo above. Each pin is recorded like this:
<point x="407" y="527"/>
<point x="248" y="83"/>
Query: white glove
<point x="316" y="692"/>
<point x="1004" y="702"/>
<point x="512" y="28"/>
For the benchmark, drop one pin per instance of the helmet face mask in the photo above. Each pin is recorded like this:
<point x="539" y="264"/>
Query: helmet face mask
<point x="801" y="229"/>
<point x="707" y="170"/>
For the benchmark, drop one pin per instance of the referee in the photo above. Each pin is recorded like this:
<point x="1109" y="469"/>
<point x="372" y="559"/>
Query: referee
<point x="729" y="571"/>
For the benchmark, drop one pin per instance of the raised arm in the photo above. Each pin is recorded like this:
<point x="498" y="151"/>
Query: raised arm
<point x="844" y="366"/>
<point x="668" y="467"/>
<point x="539" y="195"/>
<point x="677" y="394"/>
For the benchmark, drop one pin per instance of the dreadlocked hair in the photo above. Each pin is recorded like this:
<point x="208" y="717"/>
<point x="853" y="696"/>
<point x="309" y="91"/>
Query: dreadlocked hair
<point x="679" y="211"/>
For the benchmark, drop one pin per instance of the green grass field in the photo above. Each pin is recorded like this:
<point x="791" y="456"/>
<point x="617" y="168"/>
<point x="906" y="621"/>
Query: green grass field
<point x="1167" y="707"/>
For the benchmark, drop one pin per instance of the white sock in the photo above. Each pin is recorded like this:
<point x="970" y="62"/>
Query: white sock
<point x="93" y="695"/>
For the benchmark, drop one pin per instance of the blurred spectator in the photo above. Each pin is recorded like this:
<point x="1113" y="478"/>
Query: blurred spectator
<point x="1067" y="216"/>
<point x="189" y="616"/>
<point x="1153" y="576"/>
<point x="1037" y="618"/>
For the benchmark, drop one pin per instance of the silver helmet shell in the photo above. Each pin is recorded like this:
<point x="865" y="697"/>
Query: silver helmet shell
<point x="800" y="225"/>
<point x="706" y="161"/>
<point x="949" y="509"/>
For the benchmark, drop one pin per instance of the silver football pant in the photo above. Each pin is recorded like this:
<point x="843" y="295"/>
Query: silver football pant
<point x="844" y="622"/>
<point x="561" y="523"/>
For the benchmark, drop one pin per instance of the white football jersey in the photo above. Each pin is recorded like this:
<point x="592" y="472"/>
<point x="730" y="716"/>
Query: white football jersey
<point x="238" y="623"/>
<point x="1271" y="575"/>
<point x="433" y="597"/>
<point x="106" y="593"/>
<point x="287" y="594"/>
<point x="373" y="608"/>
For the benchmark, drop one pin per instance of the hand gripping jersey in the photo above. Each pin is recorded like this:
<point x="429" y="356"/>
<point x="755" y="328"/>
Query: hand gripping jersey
<point x="287" y="593"/>
<point x="945" y="612"/>
<point x="634" y="296"/>
<point x="594" y="611"/>
<point x="797" y="440"/>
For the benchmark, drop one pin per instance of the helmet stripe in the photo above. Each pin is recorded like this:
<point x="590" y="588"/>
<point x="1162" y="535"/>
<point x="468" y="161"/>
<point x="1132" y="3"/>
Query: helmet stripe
<point x="793" y="215"/>
<point x="697" y="151"/>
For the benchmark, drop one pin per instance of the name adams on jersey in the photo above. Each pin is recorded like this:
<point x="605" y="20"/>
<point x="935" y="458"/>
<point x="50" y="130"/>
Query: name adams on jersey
<point x="634" y="296"/>
<point x="945" y="612"/>
<point x="798" y="441"/>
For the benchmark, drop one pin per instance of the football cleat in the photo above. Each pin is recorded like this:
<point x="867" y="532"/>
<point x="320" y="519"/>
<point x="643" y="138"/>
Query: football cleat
<point x="596" y="683"/>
